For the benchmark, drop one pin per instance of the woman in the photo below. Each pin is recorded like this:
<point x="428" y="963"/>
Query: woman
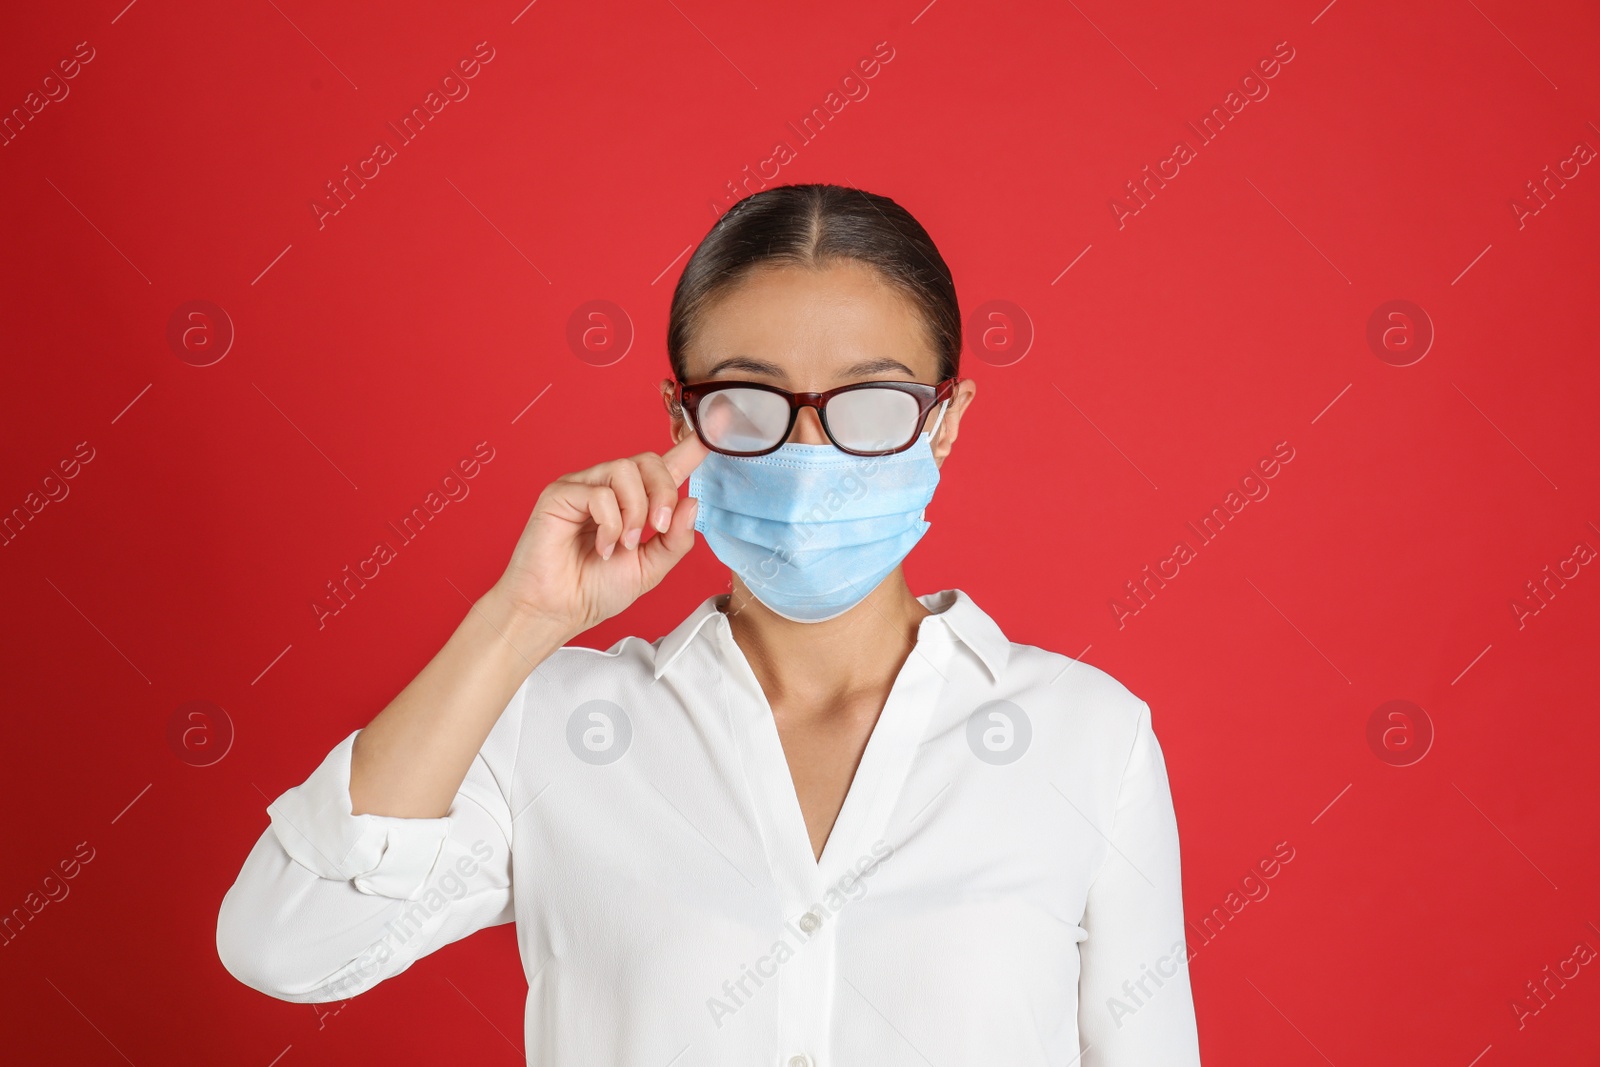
<point x="823" y="821"/>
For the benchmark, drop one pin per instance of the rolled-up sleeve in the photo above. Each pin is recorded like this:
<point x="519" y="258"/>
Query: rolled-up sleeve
<point x="330" y="903"/>
<point x="1135" y="1005"/>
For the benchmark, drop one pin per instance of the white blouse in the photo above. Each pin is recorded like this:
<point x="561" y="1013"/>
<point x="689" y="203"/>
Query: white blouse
<point x="1001" y="886"/>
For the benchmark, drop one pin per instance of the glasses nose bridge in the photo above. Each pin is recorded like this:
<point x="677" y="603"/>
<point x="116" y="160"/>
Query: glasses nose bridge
<point x="819" y="427"/>
<point x="808" y="400"/>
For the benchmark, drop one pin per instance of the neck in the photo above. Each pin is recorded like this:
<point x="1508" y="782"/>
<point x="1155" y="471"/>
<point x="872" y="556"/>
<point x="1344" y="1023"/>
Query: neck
<point x="818" y="662"/>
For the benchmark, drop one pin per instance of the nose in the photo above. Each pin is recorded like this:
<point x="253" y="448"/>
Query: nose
<point x="808" y="428"/>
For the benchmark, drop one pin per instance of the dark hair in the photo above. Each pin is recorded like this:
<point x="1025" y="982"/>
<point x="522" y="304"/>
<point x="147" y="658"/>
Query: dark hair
<point x="810" y="226"/>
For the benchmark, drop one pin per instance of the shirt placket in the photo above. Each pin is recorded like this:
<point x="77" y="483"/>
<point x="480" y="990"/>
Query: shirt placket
<point x="807" y="981"/>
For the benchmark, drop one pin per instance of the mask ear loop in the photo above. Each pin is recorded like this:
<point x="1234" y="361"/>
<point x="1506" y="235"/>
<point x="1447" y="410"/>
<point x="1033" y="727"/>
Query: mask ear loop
<point x="921" y="515"/>
<point x="682" y="411"/>
<point x="935" y="431"/>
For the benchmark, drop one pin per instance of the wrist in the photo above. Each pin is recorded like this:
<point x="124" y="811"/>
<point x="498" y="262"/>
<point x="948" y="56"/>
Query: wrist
<point x="527" y="629"/>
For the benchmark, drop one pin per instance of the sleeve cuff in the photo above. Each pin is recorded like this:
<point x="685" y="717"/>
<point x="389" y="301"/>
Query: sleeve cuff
<point x="380" y="855"/>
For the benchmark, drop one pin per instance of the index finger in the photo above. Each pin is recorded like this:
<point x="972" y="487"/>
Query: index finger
<point x="684" y="457"/>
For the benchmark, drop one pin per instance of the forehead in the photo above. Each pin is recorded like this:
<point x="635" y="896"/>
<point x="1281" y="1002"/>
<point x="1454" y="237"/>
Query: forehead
<point x="812" y="325"/>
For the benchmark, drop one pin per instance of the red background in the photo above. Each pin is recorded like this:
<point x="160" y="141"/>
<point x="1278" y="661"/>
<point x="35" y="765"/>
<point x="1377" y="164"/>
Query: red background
<point x="1228" y="314"/>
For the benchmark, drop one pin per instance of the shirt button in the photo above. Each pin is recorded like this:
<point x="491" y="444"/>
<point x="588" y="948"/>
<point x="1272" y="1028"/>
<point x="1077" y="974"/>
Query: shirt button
<point x="800" y="1061"/>
<point x="809" y="923"/>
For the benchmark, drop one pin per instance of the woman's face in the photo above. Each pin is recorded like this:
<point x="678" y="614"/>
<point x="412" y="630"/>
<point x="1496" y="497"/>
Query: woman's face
<point x="812" y="330"/>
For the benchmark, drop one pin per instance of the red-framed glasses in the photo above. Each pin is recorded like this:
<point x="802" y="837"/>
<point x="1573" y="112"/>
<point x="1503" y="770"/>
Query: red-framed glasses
<point x="864" y="419"/>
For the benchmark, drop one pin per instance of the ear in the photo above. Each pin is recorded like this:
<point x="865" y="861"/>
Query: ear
<point x="678" y="427"/>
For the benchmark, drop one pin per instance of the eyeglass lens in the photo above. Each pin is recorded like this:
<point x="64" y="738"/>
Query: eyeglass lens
<point x="749" y="420"/>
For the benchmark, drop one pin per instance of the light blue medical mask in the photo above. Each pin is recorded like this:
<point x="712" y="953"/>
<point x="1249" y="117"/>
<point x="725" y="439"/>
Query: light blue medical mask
<point x="811" y="529"/>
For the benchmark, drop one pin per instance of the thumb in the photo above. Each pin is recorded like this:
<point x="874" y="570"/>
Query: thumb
<point x="661" y="553"/>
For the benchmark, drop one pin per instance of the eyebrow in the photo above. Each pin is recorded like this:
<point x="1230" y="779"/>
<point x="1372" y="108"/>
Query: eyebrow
<point x="762" y="366"/>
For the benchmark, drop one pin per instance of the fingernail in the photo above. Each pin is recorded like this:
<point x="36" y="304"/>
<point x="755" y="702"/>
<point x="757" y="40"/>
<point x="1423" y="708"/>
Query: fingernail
<point x="663" y="518"/>
<point x="605" y="553"/>
<point x="630" y="540"/>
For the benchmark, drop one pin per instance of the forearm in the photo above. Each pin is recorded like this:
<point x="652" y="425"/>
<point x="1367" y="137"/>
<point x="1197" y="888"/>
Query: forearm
<point x="412" y="758"/>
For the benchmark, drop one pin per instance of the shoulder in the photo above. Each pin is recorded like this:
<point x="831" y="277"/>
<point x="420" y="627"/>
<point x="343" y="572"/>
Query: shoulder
<point x="573" y="681"/>
<point x="1081" y="711"/>
<point x="1075" y="687"/>
<point x="1061" y="690"/>
<point x="578" y="668"/>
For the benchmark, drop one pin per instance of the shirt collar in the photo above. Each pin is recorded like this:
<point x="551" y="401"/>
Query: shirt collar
<point x="952" y="608"/>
